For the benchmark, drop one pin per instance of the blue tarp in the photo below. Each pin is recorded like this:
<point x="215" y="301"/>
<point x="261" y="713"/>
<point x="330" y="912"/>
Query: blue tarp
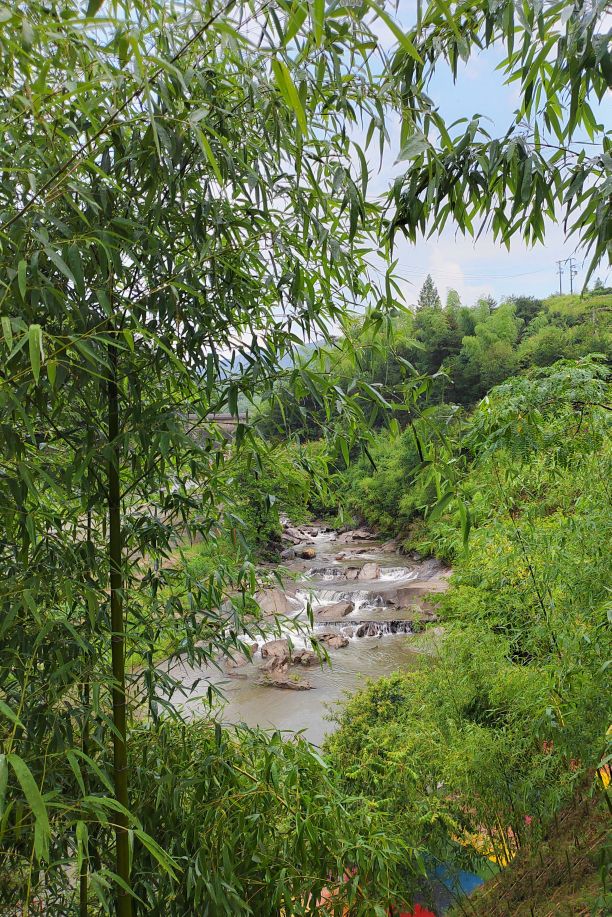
<point x="447" y="883"/>
<point x="457" y="881"/>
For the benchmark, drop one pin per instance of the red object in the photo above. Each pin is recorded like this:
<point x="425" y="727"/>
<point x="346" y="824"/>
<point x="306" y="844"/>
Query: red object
<point x="419" y="911"/>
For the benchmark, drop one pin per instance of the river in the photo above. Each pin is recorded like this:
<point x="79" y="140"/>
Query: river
<point x="363" y="592"/>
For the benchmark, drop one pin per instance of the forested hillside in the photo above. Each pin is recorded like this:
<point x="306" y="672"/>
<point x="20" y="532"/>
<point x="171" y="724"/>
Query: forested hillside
<point x="460" y="351"/>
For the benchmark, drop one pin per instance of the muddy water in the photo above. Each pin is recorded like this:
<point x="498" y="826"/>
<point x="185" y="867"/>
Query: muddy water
<point x="322" y="581"/>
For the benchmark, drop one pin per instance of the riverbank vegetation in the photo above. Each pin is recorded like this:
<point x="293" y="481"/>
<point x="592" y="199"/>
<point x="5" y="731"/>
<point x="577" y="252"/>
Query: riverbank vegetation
<point x="508" y="725"/>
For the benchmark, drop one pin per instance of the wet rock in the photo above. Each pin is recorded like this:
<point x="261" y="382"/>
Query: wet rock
<point x="305" y="657"/>
<point x="368" y="629"/>
<point x="274" y="664"/>
<point x="333" y="641"/>
<point x="405" y="596"/>
<point x="293" y="536"/>
<point x="390" y="546"/>
<point x="352" y="573"/>
<point x="276" y="649"/>
<point x="369" y="572"/>
<point x="306" y="553"/>
<point x="288" y="554"/>
<point x="296" y="535"/>
<point x="273" y="601"/>
<point x="381" y="628"/>
<point x="334" y="612"/>
<point x="354" y="535"/>
<point x="327" y="572"/>
<point x="290" y="682"/>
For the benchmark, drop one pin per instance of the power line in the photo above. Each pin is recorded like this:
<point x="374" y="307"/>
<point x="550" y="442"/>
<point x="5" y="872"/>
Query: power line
<point x="573" y="270"/>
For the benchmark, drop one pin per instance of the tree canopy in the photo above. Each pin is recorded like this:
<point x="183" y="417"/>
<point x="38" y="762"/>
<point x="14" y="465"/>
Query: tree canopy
<point x="429" y="298"/>
<point x="554" y="160"/>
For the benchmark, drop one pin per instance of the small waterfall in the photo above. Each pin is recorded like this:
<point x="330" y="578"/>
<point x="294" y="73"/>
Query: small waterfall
<point x="382" y="628"/>
<point x="395" y="574"/>
<point x="366" y="628"/>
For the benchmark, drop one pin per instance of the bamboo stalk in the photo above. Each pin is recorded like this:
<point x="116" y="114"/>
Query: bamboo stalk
<point x="115" y="550"/>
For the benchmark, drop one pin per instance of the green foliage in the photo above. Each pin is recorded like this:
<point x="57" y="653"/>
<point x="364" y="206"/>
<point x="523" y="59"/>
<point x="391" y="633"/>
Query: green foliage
<point x="230" y="807"/>
<point x="429" y="298"/>
<point x="559" y="62"/>
<point x="508" y="717"/>
<point x="268" y="483"/>
<point x="454" y="354"/>
<point x="161" y="263"/>
<point x="384" y="487"/>
<point x="453" y="746"/>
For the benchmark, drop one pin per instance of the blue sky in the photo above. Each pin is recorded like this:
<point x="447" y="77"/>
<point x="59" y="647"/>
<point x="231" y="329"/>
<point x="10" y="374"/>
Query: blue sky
<point x="454" y="261"/>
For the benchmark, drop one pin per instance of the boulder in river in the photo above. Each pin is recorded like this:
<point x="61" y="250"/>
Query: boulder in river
<point x="305" y="657"/>
<point x="334" y="612"/>
<point x="352" y="572"/>
<point x="405" y="596"/>
<point x="390" y="546"/>
<point x="306" y="553"/>
<point x="288" y="554"/>
<point x="276" y="649"/>
<point x="354" y="535"/>
<point x="291" y="682"/>
<point x="273" y="601"/>
<point x="295" y="535"/>
<point x="369" y="572"/>
<point x="332" y="640"/>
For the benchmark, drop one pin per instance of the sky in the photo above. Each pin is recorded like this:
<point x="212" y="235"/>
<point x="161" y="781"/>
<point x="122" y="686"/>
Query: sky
<point x="485" y="267"/>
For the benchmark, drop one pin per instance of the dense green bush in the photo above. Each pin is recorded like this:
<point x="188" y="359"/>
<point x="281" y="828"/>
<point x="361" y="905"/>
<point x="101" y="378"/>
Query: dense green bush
<point x="456" y="745"/>
<point x="509" y="717"/>
<point x="255" y="824"/>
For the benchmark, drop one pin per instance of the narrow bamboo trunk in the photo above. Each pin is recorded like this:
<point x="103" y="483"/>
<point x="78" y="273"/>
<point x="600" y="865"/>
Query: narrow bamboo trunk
<point x="84" y="875"/>
<point x="120" y="765"/>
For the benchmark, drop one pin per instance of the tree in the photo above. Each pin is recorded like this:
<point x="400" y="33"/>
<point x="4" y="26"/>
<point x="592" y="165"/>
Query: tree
<point x="490" y="353"/>
<point x="429" y="298"/>
<point x="179" y="211"/>
<point x="526" y="307"/>
<point x="453" y="300"/>
<point x="559" y="60"/>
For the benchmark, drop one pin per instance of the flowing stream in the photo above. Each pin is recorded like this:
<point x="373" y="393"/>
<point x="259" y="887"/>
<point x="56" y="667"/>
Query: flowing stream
<point x="360" y="591"/>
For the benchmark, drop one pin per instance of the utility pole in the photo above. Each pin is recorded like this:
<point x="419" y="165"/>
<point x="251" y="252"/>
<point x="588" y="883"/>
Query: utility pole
<point x="560" y="270"/>
<point x="572" y="272"/>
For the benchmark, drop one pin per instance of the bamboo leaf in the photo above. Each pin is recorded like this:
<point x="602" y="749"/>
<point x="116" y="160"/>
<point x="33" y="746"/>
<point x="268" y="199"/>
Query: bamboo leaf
<point x="318" y="19"/>
<point x="440" y="506"/>
<point x="93" y="6"/>
<point x="206" y="147"/>
<point x="7" y="331"/>
<point x="395" y="29"/>
<point x="295" y="22"/>
<point x="35" y="344"/>
<point x="3" y="783"/>
<point x="288" y="91"/>
<point x="22" y="271"/>
<point x="167" y="863"/>
<point x="42" y="829"/>
<point x="8" y="713"/>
